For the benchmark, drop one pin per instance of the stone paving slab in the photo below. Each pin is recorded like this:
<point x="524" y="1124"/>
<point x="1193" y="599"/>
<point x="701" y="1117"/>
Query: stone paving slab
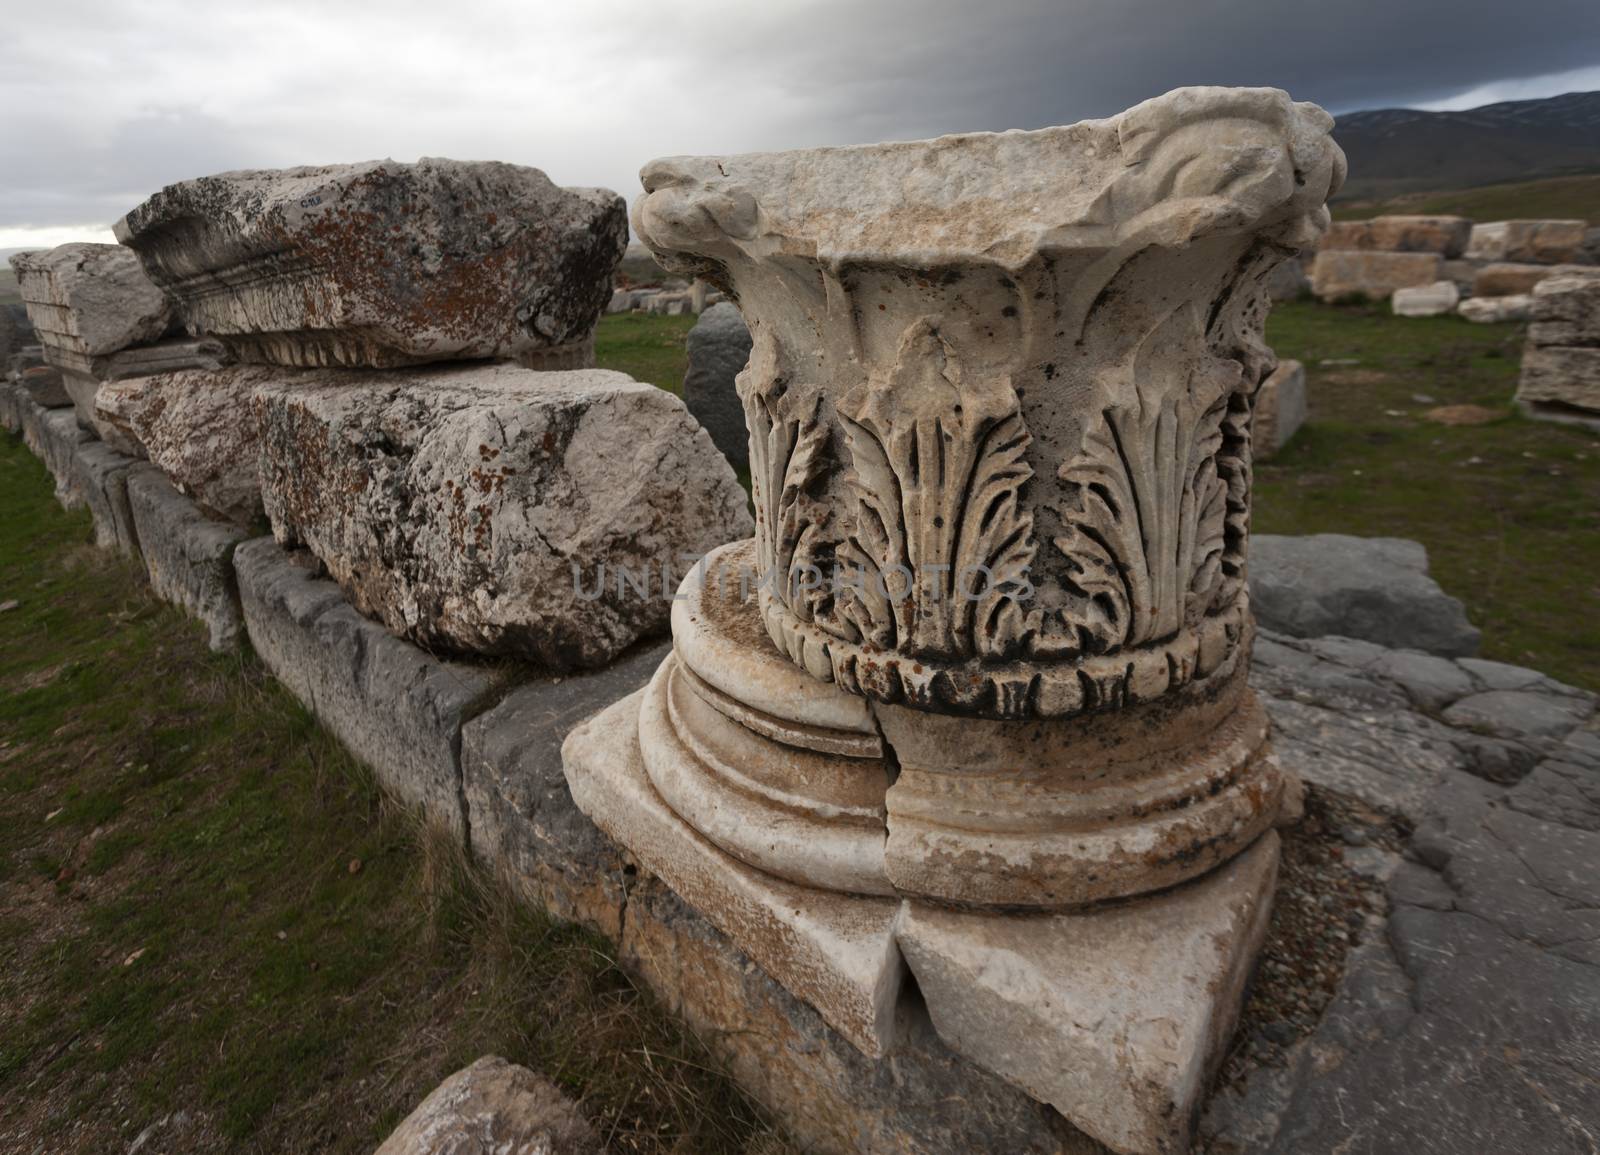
<point x="394" y="706"/>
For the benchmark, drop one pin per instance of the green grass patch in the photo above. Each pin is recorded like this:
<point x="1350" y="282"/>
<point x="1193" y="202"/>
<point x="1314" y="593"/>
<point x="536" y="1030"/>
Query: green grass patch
<point x="646" y="347"/>
<point x="207" y="906"/>
<point x="1509" y="511"/>
<point x="1555" y="198"/>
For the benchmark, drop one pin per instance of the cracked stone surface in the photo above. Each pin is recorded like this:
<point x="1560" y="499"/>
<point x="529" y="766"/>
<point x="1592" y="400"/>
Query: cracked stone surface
<point x="1467" y="1020"/>
<point x="381" y="264"/>
<point x="490" y="509"/>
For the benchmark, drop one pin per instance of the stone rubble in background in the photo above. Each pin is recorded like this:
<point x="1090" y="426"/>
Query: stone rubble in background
<point x="1435" y="300"/>
<point x="1561" y="361"/>
<point x="1447" y="236"/>
<point x="1280" y="409"/>
<point x="384" y="264"/>
<point x="1339" y="274"/>
<point x="494" y="1108"/>
<point x="718" y="348"/>
<point x="493" y="510"/>
<point x="1376" y="588"/>
<point x="1496" y="310"/>
<point x="1503" y="279"/>
<point x="1539" y="242"/>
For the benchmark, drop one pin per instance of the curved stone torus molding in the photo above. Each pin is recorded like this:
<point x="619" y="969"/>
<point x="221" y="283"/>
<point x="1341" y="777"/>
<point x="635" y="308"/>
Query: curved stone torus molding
<point x="999" y="397"/>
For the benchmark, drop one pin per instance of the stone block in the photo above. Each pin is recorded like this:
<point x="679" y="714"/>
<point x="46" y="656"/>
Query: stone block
<point x="1435" y="300"/>
<point x="100" y="477"/>
<point x="10" y="406"/>
<point x="44" y="386"/>
<point x="188" y="556"/>
<point x="1288" y="282"/>
<point x="835" y="951"/>
<point x="198" y="426"/>
<point x="1496" y="310"/>
<point x="398" y="709"/>
<point x="1561" y="383"/>
<point x="1116" y="1016"/>
<point x="523" y="821"/>
<point x="1566" y="311"/>
<point x="1341" y="273"/>
<point x="1446" y="236"/>
<point x="383" y="264"/>
<point x="719" y="346"/>
<point x="56" y="439"/>
<point x="922" y="1098"/>
<point x="1377" y="589"/>
<point x="84" y="376"/>
<point x="1528" y="242"/>
<point x="89" y="299"/>
<point x="1280" y="409"/>
<point x="1503" y="279"/>
<point x="490" y="509"/>
<point x="494" y="1108"/>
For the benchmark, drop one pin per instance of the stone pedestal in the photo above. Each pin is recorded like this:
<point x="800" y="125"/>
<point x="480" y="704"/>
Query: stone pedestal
<point x="981" y="672"/>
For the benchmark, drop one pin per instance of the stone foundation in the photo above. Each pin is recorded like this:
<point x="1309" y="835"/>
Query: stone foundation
<point x="188" y="556"/>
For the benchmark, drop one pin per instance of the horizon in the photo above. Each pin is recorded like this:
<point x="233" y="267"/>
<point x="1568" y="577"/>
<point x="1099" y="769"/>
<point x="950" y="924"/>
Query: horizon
<point x="158" y="97"/>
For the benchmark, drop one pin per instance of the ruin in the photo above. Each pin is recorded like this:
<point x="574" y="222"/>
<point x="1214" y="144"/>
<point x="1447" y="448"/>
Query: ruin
<point x="999" y="406"/>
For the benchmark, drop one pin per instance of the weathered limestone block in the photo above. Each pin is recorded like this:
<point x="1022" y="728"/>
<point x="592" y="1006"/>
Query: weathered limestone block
<point x="100" y="476"/>
<point x="1508" y="280"/>
<point x="1281" y="406"/>
<point x="1497" y="310"/>
<point x="520" y="810"/>
<point x="188" y="556"/>
<point x="10" y="406"/>
<point x="90" y="300"/>
<point x="719" y="347"/>
<point x="383" y="264"/>
<point x="494" y="1108"/>
<point x="1374" y="588"/>
<point x="490" y="509"/>
<point x="398" y="709"/>
<point x="1561" y="363"/>
<point x="198" y="426"/>
<point x="54" y="436"/>
<point x="1560" y="383"/>
<point x="1082" y="1010"/>
<point x="84" y="376"/>
<point x="1531" y="242"/>
<point x="1566" y="312"/>
<point x="43" y="384"/>
<point x="1446" y="236"/>
<point x="1338" y="273"/>
<point x="1435" y="300"/>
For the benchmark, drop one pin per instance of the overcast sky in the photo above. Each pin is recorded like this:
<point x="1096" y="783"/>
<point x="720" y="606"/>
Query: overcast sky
<point x="106" y="102"/>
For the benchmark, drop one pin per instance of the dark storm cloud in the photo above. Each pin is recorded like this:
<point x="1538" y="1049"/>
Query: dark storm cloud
<point x="168" y="89"/>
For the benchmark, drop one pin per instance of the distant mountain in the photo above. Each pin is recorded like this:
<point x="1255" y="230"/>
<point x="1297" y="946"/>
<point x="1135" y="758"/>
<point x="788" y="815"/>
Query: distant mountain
<point x="1402" y="150"/>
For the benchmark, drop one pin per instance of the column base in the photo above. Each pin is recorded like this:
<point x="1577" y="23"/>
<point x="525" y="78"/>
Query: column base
<point x="1114" y="1015"/>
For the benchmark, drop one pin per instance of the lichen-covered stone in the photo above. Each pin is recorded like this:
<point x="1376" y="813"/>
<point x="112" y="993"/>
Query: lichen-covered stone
<point x="490" y="509"/>
<point x="83" y="377"/>
<point x="198" y="427"/>
<point x="90" y="299"/>
<point x="384" y="264"/>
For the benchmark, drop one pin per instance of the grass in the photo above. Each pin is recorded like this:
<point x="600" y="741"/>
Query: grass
<point x="207" y="907"/>
<point x="1509" y="511"/>
<point x="1555" y="198"/>
<point x="646" y="347"/>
